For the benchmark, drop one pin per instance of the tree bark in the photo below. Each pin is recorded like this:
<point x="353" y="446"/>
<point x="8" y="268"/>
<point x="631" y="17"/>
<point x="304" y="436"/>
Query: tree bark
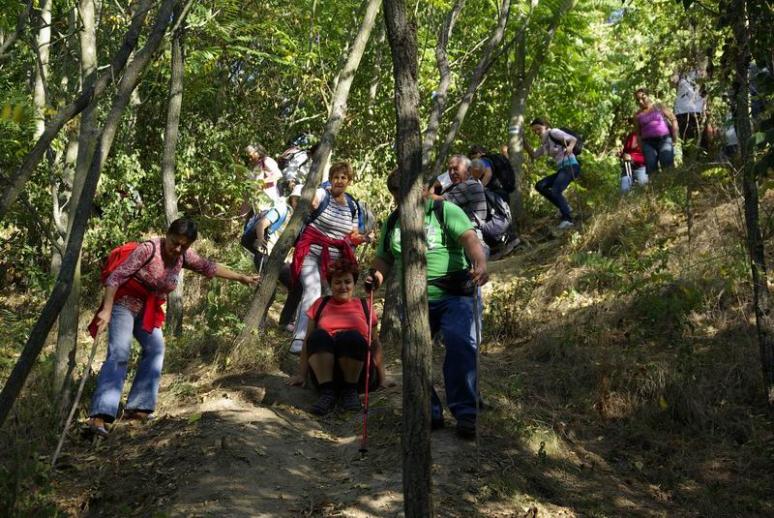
<point x="755" y="245"/>
<point x="87" y="96"/>
<point x="391" y="324"/>
<point x="171" y="131"/>
<point x="475" y="81"/>
<point x="67" y="339"/>
<point x="522" y="85"/>
<point x="262" y="297"/>
<point x="415" y="444"/>
<point x="63" y="284"/>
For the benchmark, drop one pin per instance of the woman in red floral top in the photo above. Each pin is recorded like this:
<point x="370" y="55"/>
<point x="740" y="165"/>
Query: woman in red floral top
<point x="134" y="293"/>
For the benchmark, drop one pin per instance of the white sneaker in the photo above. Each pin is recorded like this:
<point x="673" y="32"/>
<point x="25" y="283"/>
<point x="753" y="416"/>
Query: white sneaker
<point x="565" y="225"/>
<point x="296" y="345"/>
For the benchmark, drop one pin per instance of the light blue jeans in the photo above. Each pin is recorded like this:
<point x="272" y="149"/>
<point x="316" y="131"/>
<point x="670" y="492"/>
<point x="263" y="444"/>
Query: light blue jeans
<point x="638" y="176"/>
<point x="110" y="383"/>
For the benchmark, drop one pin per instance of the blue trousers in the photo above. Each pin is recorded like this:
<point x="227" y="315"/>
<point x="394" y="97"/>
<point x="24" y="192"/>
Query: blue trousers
<point x="453" y="316"/>
<point x="553" y="186"/>
<point x="658" y="151"/>
<point x="110" y="383"/>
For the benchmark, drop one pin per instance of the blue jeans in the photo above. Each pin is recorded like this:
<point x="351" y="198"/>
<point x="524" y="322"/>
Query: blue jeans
<point x="658" y="151"/>
<point x="453" y="316"/>
<point x="638" y="176"/>
<point x="552" y="187"/>
<point x="110" y="383"/>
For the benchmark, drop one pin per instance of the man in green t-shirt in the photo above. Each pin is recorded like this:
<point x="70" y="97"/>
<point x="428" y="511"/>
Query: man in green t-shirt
<point x="452" y="245"/>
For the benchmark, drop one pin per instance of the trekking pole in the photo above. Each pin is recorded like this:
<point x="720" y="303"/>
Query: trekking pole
<point x="476" y="306"/>
<point x="364" y="443"/>
<point x="75" y="403"/>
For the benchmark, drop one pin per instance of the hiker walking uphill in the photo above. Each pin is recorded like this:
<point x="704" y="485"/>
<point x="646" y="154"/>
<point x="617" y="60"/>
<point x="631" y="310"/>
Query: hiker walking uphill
<point x="334" y="351"/>
<point x="331" y="232"/>
<point x="261" y="232"/>
<point x="137" y="279"/>
<point x="632" y="163"/>
<point x="265" y="171"/>
<point x="657" y="128"/>
<point x="563" y="148"/>
<point x="452" y="283"/>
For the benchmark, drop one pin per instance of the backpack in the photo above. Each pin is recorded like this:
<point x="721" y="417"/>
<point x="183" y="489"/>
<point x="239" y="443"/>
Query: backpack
<point x="366" y="220"/>
<point x="248" y="232"/>
<point x="498" y="218"/>
<point x="502" y="171"/>
<point x="392" y="220"/>
<point x="118" y="256"/>
<point x="285" y="158"/>
<point x="327" y="299"/>
<point x="577" y="149"/>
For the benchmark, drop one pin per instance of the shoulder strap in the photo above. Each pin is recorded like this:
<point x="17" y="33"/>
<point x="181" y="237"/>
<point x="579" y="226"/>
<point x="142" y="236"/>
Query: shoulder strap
<point x="320" y="208"/>
<point x="392" y="220"/>
<point x="439" y="215"/>
<point x="320" y="308"/>
<point x="558" y="142"/>
<point x="354" y="206"/>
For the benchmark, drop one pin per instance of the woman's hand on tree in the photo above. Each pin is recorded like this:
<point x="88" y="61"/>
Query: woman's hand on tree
<point x="250" y="280"/>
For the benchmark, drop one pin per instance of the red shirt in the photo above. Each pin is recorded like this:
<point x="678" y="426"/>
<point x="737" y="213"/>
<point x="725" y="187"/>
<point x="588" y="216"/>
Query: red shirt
<point x="632" y="147"/>
<point x="341" y="316"/>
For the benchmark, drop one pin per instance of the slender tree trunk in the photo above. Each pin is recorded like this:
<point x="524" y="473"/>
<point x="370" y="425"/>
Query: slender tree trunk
<point x="475" y="81"/>
<point x="755" y="245"/>
<point x="522" y="85"/>
<point x="417" y="476"/>
<point x="87" y="96"/>
<point x="376" y="80"/>
<point x="171" y="131"/>
<point x="43" y="44"/>
<point x="67" y="339"/>
<point x="442" y="62"/>
<point x="21" y="23"/>
<point x="391" y="324"/>
<point x="262" y="297"/>
<point x="63" y="284"/>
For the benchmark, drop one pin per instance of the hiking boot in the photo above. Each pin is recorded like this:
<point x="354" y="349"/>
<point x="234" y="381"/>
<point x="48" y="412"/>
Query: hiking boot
<point x="325" y="403"/>
<point x="349" y="400"/>
<point x="296" y="345"/>
<point x="466" y="427"/>
<point x="565" y="224"/>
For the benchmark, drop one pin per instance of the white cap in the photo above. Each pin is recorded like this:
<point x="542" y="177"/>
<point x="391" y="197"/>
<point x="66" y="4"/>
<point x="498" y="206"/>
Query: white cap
<point x="297" y="190"/>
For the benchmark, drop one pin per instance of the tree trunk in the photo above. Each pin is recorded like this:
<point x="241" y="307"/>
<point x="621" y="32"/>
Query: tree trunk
<point x="67" y="339"/>
<point x="175" y="299"/>
<point x="63" y="283"/>
<point x="373" y="88"/>
<point x="417" y="346"/>
<point x="391" y="324"/>
<point x="475" y="81"/>
<point x="755" y="245"/>
<point x="522" y="85"/>
<point x="442" y="62"/>
<point x="87" y="96"/>
<point x="262" y="297"/>
<point x="43" y="49"/>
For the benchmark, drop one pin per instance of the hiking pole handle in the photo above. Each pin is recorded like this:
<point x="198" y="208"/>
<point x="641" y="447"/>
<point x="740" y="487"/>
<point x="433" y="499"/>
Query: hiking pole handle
<point x="75" y="401"/>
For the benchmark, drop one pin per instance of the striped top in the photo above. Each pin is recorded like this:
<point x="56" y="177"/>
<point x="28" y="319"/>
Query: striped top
<point x="336" y="222"/>
<point x="469" y="196"/>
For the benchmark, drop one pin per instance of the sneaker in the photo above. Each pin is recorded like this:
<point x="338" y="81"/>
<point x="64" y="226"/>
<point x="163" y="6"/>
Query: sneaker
<point x="565" y="224"/>
<point x="349" y="400"/>
<point x="325" y="403"/>
<point x="296" y="345"/>
<point x="466" y="427"/>
<point x="507" y="248"/>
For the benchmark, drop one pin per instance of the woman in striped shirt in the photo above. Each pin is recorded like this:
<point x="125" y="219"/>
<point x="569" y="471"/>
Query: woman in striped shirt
<point x="330" y="234"/>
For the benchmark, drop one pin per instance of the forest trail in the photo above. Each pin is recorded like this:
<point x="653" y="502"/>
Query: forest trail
<point x="244" y="445"/>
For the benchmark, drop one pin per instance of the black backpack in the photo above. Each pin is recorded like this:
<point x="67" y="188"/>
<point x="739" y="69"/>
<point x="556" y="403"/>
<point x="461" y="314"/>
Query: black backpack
<point x="496" y="206"/>
<point x="502" y="171"/>
<point x="577" y="149"/>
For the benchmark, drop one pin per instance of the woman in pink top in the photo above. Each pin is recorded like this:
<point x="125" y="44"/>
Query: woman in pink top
<point x="134" y="292"/>
<point x="657" y="128"/>
<point x="335" y="346"/>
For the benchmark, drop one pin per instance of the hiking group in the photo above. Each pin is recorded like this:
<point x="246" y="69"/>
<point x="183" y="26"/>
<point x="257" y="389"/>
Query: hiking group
<point x="467" y="221"/>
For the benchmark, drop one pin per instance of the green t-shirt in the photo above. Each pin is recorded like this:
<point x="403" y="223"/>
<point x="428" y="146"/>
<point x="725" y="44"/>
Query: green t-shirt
<point x="442" y="258"/>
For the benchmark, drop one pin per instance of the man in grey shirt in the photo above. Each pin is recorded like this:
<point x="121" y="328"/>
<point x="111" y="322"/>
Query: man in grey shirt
<point x="466" y="192"/>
